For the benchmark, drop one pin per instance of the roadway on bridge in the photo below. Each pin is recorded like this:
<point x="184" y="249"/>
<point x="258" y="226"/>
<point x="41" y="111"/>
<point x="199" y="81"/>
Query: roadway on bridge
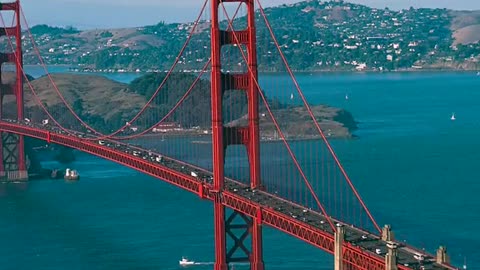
<point x="354" y="236"/>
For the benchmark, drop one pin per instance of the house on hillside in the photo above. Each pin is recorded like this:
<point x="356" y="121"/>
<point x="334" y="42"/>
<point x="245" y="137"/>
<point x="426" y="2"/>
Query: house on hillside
<point x="167" y="127"/>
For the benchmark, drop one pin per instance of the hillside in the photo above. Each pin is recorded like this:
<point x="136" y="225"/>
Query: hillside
<point x="107" y="105"/>
<point x="315" y="35"/>
<point x="99" y="99"/>
<point x="466" y="26"/>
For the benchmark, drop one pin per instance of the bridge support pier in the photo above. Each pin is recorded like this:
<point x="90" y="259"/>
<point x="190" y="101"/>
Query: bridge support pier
<point x="220" y="239"/>
<point x="391" y="257"/>
<point x="12" y="147"/>
<point x="232" y="231"/>
<point x="338" y="251"/>
<point x="11" y="150"/>
<point x="442" y="256"/>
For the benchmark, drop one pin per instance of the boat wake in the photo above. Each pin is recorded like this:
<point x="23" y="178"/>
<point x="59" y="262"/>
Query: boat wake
<point x="187" y="263"/>
<point x="204" y="263"/>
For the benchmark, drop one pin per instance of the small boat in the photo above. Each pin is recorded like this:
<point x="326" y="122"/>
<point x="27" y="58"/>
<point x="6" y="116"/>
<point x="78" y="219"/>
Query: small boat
<point x="465" y="264"/>
<point x="291" y="96"/>
<point x="71" y="175"/>
<point x="346" y="97"/>
<point x="453" y="117"/>
<point x="185" y="261"/>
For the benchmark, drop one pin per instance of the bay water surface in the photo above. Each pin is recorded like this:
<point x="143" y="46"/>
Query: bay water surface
<point x="415" y="168"/>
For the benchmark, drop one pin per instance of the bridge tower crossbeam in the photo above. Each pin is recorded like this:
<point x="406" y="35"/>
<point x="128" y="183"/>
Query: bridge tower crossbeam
<point x="12" y="154"/>
<point x="224" y="136"/>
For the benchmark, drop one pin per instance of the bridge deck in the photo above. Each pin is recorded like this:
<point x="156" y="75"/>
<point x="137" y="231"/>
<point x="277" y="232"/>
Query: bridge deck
<point x="308" y="225"/>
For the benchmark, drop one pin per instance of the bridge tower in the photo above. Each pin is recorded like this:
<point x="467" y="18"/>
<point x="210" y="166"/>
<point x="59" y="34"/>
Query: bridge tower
<point x="12" y="153"/>
<point x="224" y="136"/>
<point x="442" y="256"/>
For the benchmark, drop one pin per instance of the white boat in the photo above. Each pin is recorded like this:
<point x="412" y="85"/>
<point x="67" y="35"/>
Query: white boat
<point x="346" y="97"/>
<point x="453" y="117"/>
<point x="184" y="261"/>
<point x="71" y="175"/>
<point x="291" y="96"/>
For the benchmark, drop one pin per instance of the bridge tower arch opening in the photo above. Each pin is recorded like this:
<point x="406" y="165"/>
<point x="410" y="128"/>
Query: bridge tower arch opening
<point x="233" y="230"/>
<point x="12" y="154"/>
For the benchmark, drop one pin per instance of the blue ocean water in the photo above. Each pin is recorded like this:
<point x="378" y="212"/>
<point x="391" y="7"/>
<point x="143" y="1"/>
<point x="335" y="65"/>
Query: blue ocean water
<point x="414" y="167"/>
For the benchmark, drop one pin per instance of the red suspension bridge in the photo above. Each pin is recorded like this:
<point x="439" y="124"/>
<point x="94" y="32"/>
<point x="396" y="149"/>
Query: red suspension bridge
<point x="305" y="192"/>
